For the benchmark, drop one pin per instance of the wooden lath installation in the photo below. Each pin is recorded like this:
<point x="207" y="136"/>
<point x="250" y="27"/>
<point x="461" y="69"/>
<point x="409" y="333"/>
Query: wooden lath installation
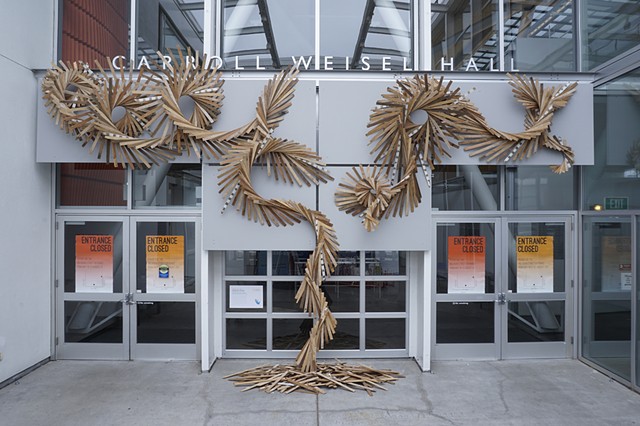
<point x="402" y="146"/>
<point x="153" y="128"/>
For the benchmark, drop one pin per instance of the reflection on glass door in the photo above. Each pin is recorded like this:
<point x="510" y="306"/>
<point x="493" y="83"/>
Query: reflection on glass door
<point x="126" y="289"/>
<point x="606" y="302"/>
<point x="501" y="288"/>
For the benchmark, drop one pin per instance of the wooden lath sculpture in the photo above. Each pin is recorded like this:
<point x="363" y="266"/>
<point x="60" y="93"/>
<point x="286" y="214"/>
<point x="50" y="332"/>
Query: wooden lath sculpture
<point x="401" y="146"/>
<point x="540" y="104"/>
<point x="292" y="162"/>
<point x="152" y="129"/>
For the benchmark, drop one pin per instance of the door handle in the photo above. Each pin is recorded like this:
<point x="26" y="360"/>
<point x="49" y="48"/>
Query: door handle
<point x="502" y="299"/>
<point x="128" y="299"/>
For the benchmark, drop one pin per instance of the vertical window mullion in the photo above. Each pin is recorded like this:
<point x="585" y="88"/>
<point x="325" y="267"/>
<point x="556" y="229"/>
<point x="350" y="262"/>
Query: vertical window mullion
<point x="211" y="30"/>
<point x="501" y="33"/>
<point x="317" y="35"/>
<point x="361" y="313"/>
<point x="269" y="280"/>
<point x="133" y="30"/>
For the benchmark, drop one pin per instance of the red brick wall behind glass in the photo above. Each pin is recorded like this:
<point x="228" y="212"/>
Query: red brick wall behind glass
<point x="94" y="29"/>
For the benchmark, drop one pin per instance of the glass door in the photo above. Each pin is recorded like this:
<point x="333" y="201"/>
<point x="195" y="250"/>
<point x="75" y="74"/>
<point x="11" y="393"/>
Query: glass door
<point x="466" y="314"/>
<point x="163" y="287"/>
<point x="607" y="297"/>
<point x="92" y="286"/>
<point x="502" y="287"/>
<point x="536" y="295"/>
<point x="126" y="288"/>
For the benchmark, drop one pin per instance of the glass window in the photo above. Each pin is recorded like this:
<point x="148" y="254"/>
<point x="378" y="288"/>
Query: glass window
<point x="91" y="185"/>
<point x="606" y="309"/>
<point x="245" y="263"/>
<point x="539" y="35"/>
<point x="291" y="334"/>
<point x="347" y="335"/>
<point x="166" y="322"/>
<point x="538" y="188"/>
<point x="94" y="30"/>
<point x="464" y="35"/>
<point x="152" y="252"/>
<point x="267" y="34"/>
<point x="348" y="264"/>
<point x="342" y="296"/>
<point x="385" y="333"/>
<point x="245" y="333"/>
<point x="92" y="322"/>
<point x="466" y="187"/>
<point x="610" y="27"/>
<point x="385" y="263"/>
<point x="536" y="321"/>
<point x="385" y="296"/>
<point x="616" y="172"/>
<point x="169" y="25"/>
<point x="358" y="34"/>
<point x="284" y="296"/>
<point x="168" y="185"/>
<point x="354" y="35"/>
<point x="465" y="322"/>
<point x="289" y="262"/>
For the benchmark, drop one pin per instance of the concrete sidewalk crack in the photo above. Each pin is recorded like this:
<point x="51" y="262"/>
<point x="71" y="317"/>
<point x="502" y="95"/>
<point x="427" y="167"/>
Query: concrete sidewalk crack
<point x="424" y="396"/>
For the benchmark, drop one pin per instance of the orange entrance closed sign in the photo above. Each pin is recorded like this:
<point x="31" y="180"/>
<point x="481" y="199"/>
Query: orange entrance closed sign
<point x="94" y="263"/>
<point x="466" y="264"/>
<point x="165" y="263"/>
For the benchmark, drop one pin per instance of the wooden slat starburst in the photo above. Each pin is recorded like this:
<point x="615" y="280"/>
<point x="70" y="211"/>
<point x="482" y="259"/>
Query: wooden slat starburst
<point x="153" y="128"/>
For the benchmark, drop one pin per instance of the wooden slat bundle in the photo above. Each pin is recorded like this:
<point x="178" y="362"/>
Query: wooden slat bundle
<point x="289" y="378"/>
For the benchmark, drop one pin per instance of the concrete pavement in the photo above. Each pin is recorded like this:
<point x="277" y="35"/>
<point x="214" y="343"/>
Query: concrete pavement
<point x="528" y="392"/>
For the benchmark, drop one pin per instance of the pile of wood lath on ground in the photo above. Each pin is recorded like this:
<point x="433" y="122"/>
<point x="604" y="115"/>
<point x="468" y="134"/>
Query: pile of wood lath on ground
<point x="289" y="378"/>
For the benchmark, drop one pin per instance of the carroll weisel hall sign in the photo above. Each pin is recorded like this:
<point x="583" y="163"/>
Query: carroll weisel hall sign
<point x="328" y="63"/>
<point x="155" y="129"/>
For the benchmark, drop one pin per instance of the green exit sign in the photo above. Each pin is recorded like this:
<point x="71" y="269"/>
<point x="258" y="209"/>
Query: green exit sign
<point x="616" y="203"/>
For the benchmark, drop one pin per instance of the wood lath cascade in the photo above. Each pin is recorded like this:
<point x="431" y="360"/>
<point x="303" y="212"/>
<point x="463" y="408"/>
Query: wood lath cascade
<point x="402" y="146"/>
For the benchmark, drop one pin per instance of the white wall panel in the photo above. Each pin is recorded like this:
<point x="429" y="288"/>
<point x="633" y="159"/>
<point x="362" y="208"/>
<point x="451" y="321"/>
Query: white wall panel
<point x="25" y="208"/>
<point x="410" y="232"/>
<point x="232" y="231"/>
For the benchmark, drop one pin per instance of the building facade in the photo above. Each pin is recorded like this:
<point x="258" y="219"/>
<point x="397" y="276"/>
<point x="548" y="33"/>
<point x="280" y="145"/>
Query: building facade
<point x="500" y="260"/>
